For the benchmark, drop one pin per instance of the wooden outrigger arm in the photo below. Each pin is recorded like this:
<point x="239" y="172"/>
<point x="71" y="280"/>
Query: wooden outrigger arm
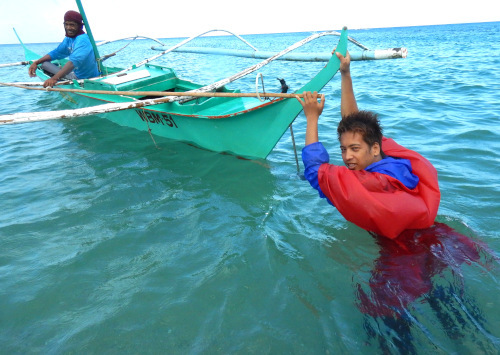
<point x="129" y="38"/>
<point x="257" y="66"/>
<point x="145" y="61"/>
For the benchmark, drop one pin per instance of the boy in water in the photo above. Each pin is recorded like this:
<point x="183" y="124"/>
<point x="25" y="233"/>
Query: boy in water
<point x="384" y="188"/>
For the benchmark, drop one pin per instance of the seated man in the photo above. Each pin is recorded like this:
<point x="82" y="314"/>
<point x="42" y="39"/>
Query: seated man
<point x="384" y="188"/>
<point x="77" y="47"/>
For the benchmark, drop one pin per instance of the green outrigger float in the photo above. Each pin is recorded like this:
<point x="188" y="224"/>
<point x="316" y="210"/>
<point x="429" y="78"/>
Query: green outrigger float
<point x="153" y="98"/>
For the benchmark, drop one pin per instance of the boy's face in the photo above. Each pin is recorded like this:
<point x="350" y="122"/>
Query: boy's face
<point x="356" y="153"/>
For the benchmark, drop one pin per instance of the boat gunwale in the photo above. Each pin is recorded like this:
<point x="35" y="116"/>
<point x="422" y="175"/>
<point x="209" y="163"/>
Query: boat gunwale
<point x="177" y="114"/>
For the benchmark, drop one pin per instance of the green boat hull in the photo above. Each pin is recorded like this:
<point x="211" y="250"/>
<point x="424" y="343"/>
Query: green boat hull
<point x="242" y="126"/>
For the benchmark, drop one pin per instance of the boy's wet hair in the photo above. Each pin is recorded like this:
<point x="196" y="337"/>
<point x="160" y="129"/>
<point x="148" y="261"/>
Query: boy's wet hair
<point x="364" y="122"/>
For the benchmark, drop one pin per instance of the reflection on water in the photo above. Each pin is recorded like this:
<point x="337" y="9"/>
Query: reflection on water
<point x="425" y="265"/>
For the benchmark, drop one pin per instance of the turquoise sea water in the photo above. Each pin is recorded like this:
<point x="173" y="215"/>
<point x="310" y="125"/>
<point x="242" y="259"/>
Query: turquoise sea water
<point x="109" y="244"/>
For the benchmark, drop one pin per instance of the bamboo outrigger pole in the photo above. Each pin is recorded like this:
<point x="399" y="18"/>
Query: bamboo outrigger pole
<point x="14" y="64"/>
<point x="25" y="117"/>
<point x="366" y="54"/>
<point x="157" y="93"/>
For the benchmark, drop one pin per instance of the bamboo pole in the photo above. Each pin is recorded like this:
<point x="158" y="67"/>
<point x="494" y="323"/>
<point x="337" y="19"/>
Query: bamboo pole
<point x="223" y="82"/>
<point x="145" y="61"/>
<point x="127" y="38"/>
<point x="89" y="33"/>
<point x="25" y="117"/>
<point x="29" y="84"/>
<point x="377" y="54"/>
<point x="14" y="64"/>
<point x="158" y="93"/>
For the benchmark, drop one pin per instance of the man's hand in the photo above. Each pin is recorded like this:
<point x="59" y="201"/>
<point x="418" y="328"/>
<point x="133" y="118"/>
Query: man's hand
<point x="312" y="108"/>
<point x="50" y="82"/>
<point x="32" y="69"/>
<point x="33" y="66"/>
<point x="345" y="63"/>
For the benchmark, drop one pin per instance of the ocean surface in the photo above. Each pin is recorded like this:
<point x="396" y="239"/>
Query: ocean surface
<point x="110" y="244"/>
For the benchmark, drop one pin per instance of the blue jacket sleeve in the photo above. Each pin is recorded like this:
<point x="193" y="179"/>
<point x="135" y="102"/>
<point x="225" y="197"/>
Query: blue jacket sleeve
<point x="62" y="50"/>
<point x="313" y="156"/>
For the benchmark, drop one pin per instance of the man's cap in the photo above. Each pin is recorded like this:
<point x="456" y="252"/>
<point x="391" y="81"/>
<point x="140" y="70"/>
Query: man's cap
<point x="73" y="16"/>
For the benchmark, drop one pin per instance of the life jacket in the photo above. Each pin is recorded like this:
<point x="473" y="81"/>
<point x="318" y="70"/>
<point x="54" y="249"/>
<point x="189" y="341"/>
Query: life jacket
<point x="380" y="203"/>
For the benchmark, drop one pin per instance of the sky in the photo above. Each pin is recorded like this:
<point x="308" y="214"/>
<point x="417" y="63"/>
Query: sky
<point x="41" y="21"/>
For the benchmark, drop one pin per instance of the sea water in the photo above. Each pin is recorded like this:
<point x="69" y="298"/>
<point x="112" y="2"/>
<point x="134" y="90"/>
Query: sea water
<point x="111" y="242"/>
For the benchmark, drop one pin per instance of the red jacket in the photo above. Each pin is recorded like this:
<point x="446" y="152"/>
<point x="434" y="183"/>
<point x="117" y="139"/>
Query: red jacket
<point x="379" y="203"/>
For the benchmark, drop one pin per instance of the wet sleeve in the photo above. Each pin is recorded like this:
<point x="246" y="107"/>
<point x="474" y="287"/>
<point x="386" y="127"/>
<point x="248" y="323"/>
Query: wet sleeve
<point x="313" y="156"/>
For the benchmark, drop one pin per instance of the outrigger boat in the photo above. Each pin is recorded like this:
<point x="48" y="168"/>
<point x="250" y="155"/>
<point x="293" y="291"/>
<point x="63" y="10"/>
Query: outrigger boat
<point x="153" y="98"/>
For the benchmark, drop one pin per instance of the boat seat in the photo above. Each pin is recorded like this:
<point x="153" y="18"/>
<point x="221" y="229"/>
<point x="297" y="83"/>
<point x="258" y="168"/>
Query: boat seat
<point x="126" y="77"/>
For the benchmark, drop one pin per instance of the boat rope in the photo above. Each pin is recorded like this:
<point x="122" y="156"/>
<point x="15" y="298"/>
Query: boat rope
<point x="263" y="88"/>
<point x="149" y="130"/>
<point x="295" y="149"/>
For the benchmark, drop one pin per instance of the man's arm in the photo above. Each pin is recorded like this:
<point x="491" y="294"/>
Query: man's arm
<point x="313" y="154"/>
<point x="66" y="69"/>
<point x="348" y="103"/>
<point x="33" y="66"/>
